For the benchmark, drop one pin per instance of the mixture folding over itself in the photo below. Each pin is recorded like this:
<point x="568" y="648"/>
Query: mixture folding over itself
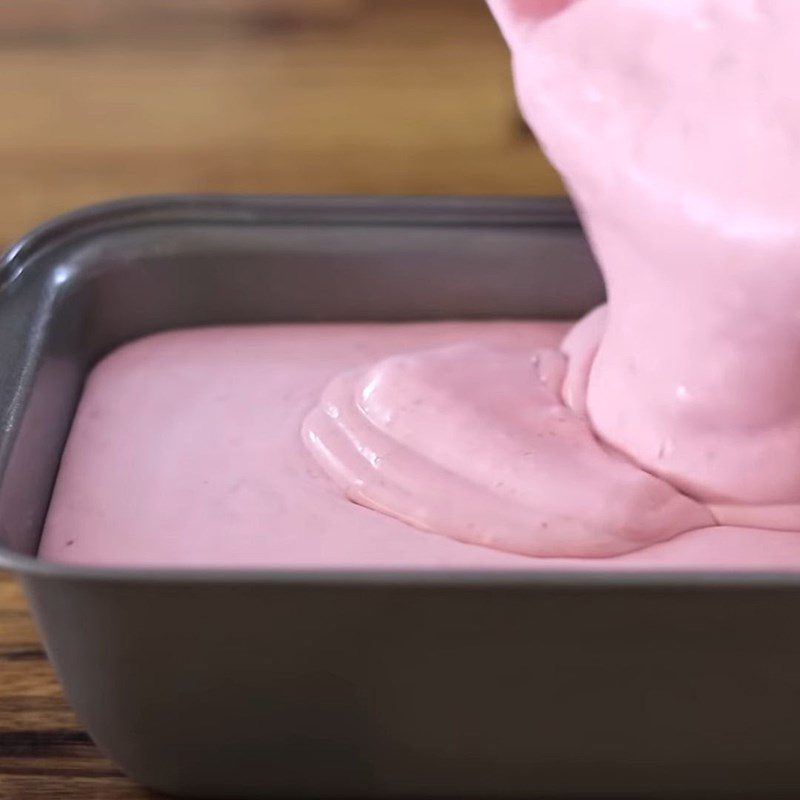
<point x="661" y="421"/>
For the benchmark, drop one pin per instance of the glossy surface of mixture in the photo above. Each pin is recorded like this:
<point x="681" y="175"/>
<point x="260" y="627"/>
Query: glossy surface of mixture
<point x="676" y="126"/>
<point x="675" y="408"/>
<point x="186" y="451"/>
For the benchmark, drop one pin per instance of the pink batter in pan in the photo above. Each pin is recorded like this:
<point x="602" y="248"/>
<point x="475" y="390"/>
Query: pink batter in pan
<point x="186" y="451"/>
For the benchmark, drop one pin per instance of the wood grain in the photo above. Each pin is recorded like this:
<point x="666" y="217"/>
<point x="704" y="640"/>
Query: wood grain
<point x="43" y="751"/>
<point x="139" y="96"/>
<point x="395" y="96"/>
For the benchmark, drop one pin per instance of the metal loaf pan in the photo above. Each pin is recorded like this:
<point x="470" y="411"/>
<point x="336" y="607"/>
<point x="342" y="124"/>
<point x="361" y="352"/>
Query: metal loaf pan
<point x="369" y="684"/>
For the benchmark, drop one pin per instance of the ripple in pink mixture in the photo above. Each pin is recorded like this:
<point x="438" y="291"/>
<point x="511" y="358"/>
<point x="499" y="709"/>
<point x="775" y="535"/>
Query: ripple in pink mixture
<point x="676" y="126"/>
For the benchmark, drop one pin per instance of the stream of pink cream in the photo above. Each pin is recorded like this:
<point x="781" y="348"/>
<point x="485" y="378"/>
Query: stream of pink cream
<point x="663" y="431"/>
<point x="676" y="126"/>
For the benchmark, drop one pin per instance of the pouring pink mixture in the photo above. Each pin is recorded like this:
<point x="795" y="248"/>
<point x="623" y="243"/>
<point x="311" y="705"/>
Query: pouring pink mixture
<point x="676" y="126"/>
<point x="640" y="440"/>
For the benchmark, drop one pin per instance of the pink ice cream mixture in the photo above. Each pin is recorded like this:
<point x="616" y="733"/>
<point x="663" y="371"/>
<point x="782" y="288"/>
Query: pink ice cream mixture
<point x="662" y="431"/>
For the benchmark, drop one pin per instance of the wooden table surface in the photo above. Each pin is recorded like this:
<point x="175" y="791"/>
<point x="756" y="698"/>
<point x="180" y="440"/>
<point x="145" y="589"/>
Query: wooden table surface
<point x="139" y="96"/>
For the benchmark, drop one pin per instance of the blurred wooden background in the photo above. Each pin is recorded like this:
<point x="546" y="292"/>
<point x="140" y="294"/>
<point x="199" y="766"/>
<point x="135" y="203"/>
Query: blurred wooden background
<point x="104" y="98"/>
